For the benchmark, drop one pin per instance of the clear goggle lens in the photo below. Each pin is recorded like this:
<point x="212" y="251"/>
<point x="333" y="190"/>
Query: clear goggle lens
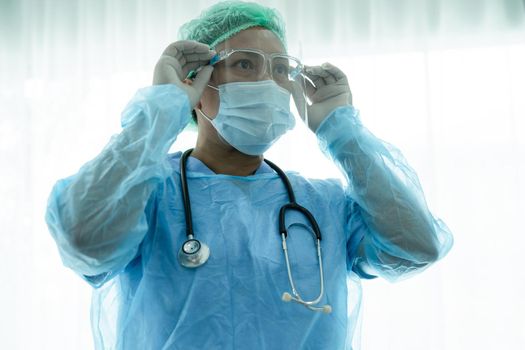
<point x="252" y="65"/>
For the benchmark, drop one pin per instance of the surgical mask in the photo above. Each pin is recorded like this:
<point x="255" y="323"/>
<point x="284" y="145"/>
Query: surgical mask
<point x="252" y="115"/>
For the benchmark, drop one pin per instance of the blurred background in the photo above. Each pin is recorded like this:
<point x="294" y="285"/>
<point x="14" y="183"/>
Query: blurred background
<point x="443" y="80"/>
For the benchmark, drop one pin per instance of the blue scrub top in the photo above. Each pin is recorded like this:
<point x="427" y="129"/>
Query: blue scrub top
<point x="119" y="223"/>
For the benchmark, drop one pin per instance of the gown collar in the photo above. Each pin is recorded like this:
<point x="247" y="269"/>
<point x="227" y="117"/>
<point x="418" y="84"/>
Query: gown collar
<point x="196" y="166"/>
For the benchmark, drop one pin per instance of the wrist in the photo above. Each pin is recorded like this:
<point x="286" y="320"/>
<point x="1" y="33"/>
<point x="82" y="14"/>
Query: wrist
<point x="340" y="126"/>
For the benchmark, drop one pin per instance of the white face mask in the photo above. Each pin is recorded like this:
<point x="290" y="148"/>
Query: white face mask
<point x="252" y="115"/>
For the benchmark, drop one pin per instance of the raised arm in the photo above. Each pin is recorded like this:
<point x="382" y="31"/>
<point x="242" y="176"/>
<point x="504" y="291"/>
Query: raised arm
<point x="386" y="203"/>
<point x="97" y="216"/>
<point x="400" y="235"/>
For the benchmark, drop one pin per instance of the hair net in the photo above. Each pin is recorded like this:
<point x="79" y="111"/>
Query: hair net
<point x="225" y="19"/>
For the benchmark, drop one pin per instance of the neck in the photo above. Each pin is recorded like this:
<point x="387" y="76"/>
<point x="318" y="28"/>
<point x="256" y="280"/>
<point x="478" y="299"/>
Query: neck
<point x="224" y="159"/>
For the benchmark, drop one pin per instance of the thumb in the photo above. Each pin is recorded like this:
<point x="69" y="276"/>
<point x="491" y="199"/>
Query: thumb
<point x="202" y="79"/>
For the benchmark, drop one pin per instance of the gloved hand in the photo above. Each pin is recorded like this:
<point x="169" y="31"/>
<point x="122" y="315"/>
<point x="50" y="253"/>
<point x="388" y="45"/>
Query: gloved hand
<point x="177" y="60"/>
<point x="331" y="90"/>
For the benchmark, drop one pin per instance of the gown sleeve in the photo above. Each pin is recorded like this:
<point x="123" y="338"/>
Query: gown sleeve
<point x="97" y="216"/>
<point x="392" y="233"/>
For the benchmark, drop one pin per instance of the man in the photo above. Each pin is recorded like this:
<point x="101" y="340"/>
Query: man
<point x="186" y="251"/>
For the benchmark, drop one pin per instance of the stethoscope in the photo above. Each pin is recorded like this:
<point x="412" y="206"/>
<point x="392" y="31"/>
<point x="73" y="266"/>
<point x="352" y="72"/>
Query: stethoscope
<point x="194" y="253"/>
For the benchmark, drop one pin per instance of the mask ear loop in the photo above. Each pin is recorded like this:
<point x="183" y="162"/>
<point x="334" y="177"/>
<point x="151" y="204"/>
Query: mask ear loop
<point x="204" y="115"/>
<point x="209" y="120"/>
<point x="200" y="110"/>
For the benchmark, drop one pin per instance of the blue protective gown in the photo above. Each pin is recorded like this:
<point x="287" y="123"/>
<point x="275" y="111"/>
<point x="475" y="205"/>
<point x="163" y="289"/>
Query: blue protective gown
<point x="119" y="223"/>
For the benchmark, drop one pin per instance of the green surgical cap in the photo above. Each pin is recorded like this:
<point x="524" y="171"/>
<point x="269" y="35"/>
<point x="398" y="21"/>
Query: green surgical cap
<point x="225" y="19"/>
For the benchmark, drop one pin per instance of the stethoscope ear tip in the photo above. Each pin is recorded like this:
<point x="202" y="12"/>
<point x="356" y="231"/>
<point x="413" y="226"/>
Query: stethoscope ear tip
<point x="286" y="297"/>
<point x="326" y="309"/>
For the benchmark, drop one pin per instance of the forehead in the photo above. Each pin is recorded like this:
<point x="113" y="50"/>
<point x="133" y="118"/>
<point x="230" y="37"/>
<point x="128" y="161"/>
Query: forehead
<point x="253" y="38"/>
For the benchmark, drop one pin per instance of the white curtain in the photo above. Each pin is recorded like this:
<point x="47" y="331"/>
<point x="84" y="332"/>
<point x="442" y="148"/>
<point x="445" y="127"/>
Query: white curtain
<point x="442" y="80"/>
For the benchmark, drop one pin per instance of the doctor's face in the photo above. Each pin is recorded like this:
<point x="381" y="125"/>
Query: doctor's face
<point x="257" y="39"/>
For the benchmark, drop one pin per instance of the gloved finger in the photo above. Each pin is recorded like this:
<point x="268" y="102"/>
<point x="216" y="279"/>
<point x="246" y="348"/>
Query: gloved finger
<point x="330" y="73"/>
<point x="167" y="68"/>
<point x="326" y="93"/>
<point x="329" y="80"/>
<point x="202" y="79"/>
<point x="185" y="47"/>
<point x="195" y="62"/>
<point x="174" y="50"/>
<point x="316" y="75"/>
<point x="197" y="57"/>
<point x="313" y="72"/>
<point x="194" y="66"/>
<point x="334" y="72"/>
<point x="327" y="75"/>
<point x="190" y="54"/>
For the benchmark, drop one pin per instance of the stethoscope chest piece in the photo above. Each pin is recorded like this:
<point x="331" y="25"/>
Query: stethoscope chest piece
<point x="193" y="253"/>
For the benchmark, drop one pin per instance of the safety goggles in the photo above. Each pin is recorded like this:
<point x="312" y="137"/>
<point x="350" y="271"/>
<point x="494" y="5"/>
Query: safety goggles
<point x="236" y="65"/>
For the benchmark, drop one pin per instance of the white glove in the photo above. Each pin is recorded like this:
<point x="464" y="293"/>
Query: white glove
<point x="180" y="58"/>
<point x="331" y="91"/>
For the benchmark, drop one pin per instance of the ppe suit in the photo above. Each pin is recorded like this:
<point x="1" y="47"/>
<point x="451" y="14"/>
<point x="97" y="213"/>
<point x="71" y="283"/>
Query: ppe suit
<point x="119" y="223"/>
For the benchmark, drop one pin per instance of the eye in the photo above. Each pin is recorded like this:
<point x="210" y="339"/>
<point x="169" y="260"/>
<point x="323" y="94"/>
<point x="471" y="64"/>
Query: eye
<point x="280" y="69"/>
<point x="244" y="64"/>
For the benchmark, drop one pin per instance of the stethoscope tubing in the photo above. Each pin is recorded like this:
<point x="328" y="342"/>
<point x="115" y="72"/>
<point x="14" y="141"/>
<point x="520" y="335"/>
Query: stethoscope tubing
<point x="186" y="194"/>
<point x="187" y="259"/>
